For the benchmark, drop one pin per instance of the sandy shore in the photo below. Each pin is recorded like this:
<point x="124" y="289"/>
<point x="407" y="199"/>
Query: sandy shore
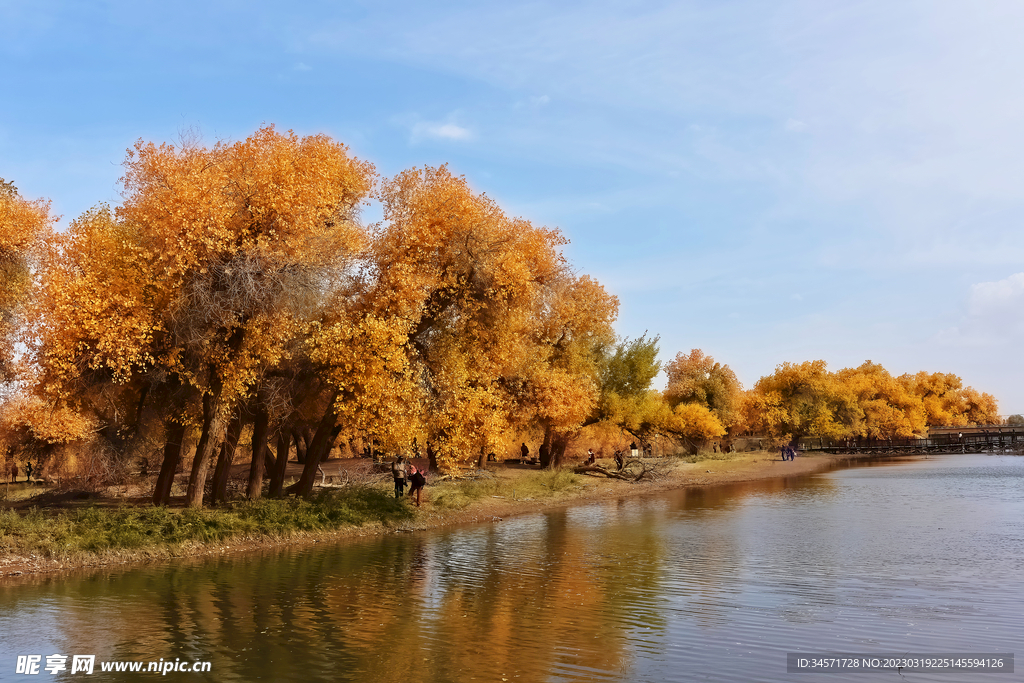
<point x="740" y="467"/>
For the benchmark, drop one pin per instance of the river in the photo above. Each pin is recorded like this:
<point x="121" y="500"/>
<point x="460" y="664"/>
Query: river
<point x="708" y="584"/>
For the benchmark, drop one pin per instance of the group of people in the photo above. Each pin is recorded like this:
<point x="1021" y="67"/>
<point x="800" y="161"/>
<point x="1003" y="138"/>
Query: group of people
<point x="403" y="470"/>
<point x="14" y="472"/>
<point x="788" y="452"/>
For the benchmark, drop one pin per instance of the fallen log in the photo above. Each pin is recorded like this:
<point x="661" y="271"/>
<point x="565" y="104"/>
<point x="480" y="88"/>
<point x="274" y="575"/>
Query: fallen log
<point x="583" y="469"/>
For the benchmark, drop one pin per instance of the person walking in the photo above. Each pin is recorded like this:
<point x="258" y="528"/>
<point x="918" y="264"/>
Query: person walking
<point x="14" y="472"/>
<point x="399" y="470"/>
<point x="525" y="450"/>
<point x="417" y="481"/>
<point x="633" y="450"/>
<point x="28" y="472"/>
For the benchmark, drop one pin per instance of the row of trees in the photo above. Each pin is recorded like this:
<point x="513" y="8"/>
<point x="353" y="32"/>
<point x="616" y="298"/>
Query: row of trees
<point x="236" y="285"/>
<point x="704" y="401"/>
<point x="806" y="399"/>
<point x="235" y="290"/>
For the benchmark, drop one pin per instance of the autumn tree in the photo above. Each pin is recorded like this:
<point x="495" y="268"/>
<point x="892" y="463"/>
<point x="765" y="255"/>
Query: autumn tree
<point x="886" y="408"/>
<point x="562" y="388"/>
<point x="471" y="283"/>
<point x="365" y="363"/>
<point x="947" y="402"/>
<point x="696" y="378"/>
<point x="24" y="228"/>
<point x="217" y="258"/>
<point x="798" y="400"/>
<point x="246" y="237"/>
<point x="626" y="401"/>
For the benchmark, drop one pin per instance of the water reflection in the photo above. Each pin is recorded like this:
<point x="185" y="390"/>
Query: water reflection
<point x="705" y="584"/>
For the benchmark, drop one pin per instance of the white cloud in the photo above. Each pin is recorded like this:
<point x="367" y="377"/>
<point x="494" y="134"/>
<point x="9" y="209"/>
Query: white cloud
<point x="1004" y="298"/>
<point x="440" y="131"/>
<point x="995" y="315"/>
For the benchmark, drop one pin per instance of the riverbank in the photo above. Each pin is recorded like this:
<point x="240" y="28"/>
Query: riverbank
<point x="60" y="532"/>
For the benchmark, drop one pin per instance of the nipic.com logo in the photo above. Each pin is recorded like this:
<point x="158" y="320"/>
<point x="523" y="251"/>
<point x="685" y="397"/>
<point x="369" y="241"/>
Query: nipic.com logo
<point x="32" y="665"/>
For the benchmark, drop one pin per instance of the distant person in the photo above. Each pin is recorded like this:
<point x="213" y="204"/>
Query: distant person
<point x="785" y="453"/>
<point x="399" y="470"/>
<point x="633" y="449"/>
<point x="28" y="471"/>
<point x="417" y="481"/>
<point x="591" y="458"/>
<point x="14" y="472"/>
<point x="525" y="450"/>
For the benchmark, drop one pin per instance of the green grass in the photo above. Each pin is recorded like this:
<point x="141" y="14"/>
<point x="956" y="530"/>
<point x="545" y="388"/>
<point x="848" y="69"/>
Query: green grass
<point x="710" y="455"/>
<point x="97" y="530"/>
<point x="458" y="494"/>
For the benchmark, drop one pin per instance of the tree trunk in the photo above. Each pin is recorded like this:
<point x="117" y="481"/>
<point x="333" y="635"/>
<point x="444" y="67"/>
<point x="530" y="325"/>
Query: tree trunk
<point x="431" y="458"/>
<point x="213" y="433"/>
<point x="300" y="447"/>
<point x="142" y="404"/>
<point x="545" y="449"/>
<point x="172" y="454"/>
<point x="222" y="473"/>
<point x="559" y="442"/>
<point x="259" y="448"/>
<point x="331" y="441"/>
<point x="316" y="450"/>
<point x="269" y="461"/>
<point x="284" y="442"/>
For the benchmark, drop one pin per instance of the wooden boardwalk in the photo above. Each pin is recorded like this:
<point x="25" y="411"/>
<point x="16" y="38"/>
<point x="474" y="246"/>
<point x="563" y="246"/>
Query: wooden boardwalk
<point x="1008" y="442"/>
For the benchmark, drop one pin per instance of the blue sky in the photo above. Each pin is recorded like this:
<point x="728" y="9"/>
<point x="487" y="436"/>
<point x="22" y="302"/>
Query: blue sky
<point x="766" y="181"/>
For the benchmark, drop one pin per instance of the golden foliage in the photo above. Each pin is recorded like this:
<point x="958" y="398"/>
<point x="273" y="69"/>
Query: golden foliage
<point x="696" y="422"/>
<point x="947" y="402"/>
<point x="499" y="330"/>
<point x="24" y="227"/>
<point x="30" y="416"/>
<point x="95" y="311"/>
<point x="807" y="400"/>
<point x="366" y="361"/>
<point x="697" y="378"/>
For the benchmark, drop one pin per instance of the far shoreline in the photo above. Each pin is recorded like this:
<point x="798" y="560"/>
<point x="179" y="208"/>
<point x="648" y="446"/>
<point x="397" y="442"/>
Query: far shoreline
<point x="738" y="468"/>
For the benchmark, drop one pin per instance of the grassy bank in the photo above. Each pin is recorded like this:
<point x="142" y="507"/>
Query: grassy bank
<point x="460" y="494"/>
<point x="96" y="530"/>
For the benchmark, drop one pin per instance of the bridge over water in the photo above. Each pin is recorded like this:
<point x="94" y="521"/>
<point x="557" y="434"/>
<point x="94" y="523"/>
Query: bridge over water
<point x="1010" y="442"/>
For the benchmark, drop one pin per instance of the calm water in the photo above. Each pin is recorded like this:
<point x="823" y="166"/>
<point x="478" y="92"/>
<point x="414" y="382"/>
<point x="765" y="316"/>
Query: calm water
<point x="707" y="585"/>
